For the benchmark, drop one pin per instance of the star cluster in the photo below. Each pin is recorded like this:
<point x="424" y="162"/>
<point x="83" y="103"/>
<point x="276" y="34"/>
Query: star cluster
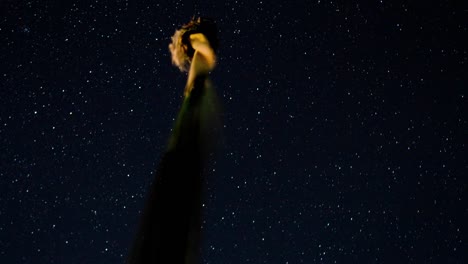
<point x="344" y="129"/>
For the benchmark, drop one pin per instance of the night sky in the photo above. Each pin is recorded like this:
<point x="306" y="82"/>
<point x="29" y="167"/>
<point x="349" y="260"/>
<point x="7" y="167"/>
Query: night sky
<point x="344" y="138"/>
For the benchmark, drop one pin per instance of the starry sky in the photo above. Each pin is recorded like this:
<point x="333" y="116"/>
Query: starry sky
<point x="344" y="129"/>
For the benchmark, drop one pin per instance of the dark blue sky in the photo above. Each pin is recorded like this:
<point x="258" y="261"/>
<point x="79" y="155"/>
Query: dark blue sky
<point x="344" y="138"/>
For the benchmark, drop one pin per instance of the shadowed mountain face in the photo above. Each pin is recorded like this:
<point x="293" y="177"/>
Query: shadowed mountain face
<point x="169" y="230"/>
